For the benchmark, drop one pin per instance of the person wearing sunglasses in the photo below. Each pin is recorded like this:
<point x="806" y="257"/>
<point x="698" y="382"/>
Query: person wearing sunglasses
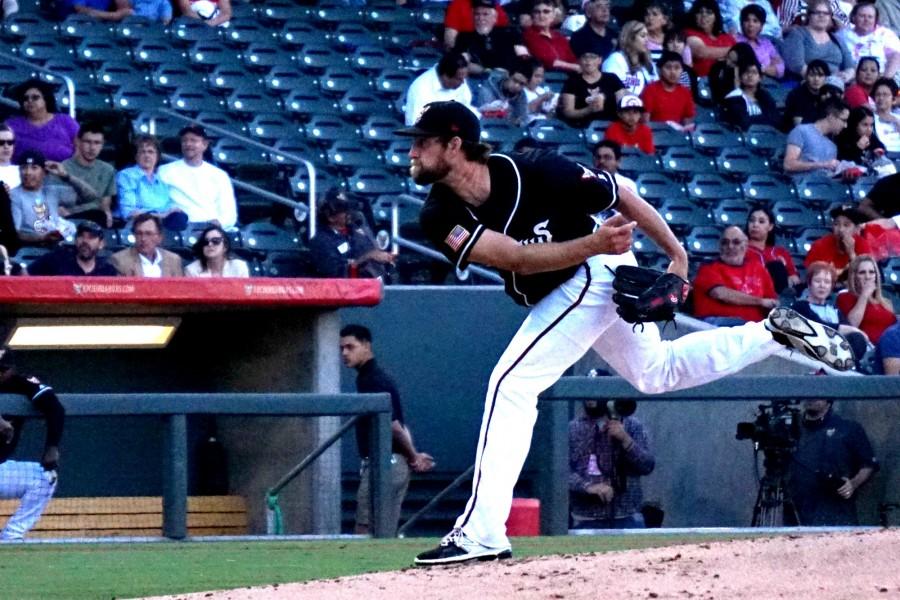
<point x="546" y="43"/>
<point x="213" y="252"/>
<point x="40" y="127"/>
<point x="9" y="172"/>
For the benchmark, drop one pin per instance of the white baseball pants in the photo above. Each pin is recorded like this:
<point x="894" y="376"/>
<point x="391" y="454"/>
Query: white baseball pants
<point x="35" y="486"/>
<point x="576" y="316"/>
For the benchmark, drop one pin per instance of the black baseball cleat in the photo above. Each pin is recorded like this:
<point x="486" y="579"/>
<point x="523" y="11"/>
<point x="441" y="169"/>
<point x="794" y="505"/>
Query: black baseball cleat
<point x="814" y="340"/>
<point x="457" y="548"/>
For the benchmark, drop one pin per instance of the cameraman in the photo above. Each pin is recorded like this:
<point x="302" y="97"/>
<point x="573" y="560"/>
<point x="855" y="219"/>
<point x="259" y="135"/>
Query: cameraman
<point x="607" y="456"/>
<point x="833" y="459"/>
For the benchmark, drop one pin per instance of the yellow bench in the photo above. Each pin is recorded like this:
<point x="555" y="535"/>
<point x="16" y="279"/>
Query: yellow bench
<point x="132" y="516"/>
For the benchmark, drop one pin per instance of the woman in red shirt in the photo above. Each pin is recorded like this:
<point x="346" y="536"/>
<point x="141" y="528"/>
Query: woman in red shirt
<point x="546" y="44"/>
<point x="705" y="36"/>
<point x="863" y="303"/>
<point x="860" y="93"/>
<point x="761" y="245"/>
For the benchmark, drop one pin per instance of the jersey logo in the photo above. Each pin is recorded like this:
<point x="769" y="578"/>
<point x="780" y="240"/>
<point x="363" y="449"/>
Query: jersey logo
<point x="458" y="236"/>
<point x="542" y="235"/>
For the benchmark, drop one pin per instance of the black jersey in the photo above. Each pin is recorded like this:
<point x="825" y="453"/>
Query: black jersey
<point x="536" y="197"/>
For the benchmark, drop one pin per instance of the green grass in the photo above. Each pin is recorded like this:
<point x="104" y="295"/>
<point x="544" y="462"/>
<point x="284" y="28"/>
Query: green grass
<point x="130" y="570"/>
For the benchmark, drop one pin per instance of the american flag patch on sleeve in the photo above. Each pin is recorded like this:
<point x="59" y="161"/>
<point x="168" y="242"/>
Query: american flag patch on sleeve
<point x="458" y="236"/>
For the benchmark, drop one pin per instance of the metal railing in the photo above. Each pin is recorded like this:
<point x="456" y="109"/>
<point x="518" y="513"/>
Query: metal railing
<point x="67" y="81"/>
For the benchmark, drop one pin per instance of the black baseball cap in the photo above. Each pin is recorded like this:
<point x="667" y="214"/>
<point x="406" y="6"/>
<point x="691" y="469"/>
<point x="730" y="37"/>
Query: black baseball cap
<point x="194" y="128"/>
<point x="335" y="202"/>
<point x="445" y="119"/>
<point x="32" y="157"/>
<point x="850" y="211"/>
<point x="89" y="227"/>
<point x="483" y="4"/>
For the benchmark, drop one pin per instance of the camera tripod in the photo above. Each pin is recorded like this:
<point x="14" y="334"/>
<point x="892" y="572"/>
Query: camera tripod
<point x="774" y="506"/>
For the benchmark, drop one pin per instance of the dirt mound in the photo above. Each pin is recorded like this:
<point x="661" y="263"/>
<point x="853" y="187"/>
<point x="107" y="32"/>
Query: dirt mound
<point x="836" y="566"/>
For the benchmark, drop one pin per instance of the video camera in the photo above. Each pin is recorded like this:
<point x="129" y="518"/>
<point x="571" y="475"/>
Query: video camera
<point x="777" y="426"/>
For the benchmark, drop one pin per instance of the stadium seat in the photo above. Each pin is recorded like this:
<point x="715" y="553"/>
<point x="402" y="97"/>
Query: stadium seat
<point x="229" y="154"/>
<point x="705" y="114"/>
<point x="76" y="28"/>
<point x="41" y="48"/>
<point x="114" y="75"/>
<point x="379" y="130"/>
<point x="87" y="98"/>
<point x="99" y="51"/>
<point x="13" y="74"/>
<point x="657" y="187"/>
<point x="134" y="98"/>
<point x="348" y="155"/>
<point x="325" y="129"/>
<point x="791" y="216"/>
<point x="262" y="56"/>
<point x="247" y="102"/>
<point x="634" y="162"/>
<point x="220" y="119"/>
<point x="739" y="163"/>
<point x="64" y="67"/>
<point x="18" y="26"/>
<point x="265" y="237"/>
<point x="861" y="187"/>
<point x="375" y="182"/>
<point x="170" y="76"/>
<point x="767" y="189"/>
<point x="281" y="80"/>
<point x="315" y="58"/>
<point x="420" y="58"/>
<point x="644" y="247"/>
<point x="283" y="263"/>
<point x="155" y="123"/>
<point x="594" y="133"/>
<point x="358" y="103"/>
<point x="891" y="272"/>
<point x="152" y="53"/>
<point x="27" y="255"/>
<point x="713" y="137"/>
<point x="664" y="136"/>
<point x="186" y="32"/>
<point x="500" y="133"/>
<point x="332" y="15"/>
<point x="132" y="30"/>
<point x="388" y="15"/>
<point x="682" y="215"/>
<point x="702" y="242"/>
<point x="576" y="152"/>
<point x="240" y="34"/>
<point x="818" y="191"/>
<point x="551" y="132"/>
<point x="269" y="128"/>
<point x="336" y="81"/>
<point x="207" y="55"/>
<point x="764" y="139"/>
<point x="372" y="60"/>
<point x="295" y="147"/>
<point x="685" y="162"/>
<point x="325" y="180"/>
<point x="707" y="188"/>
<point x="349" y="36"/>
<point x="306" y="103"/>
<point x="280" y="12"/>
<point x="730" y="211"/>
<point x="400" y="36"/>
<point x="804" y="238"/>
<point x="392" y="83"/>
<point x="431" y="14"/>
<point x="295" y="34"/>
<point x="194" y="100"/>
<point x="396" y="156"/>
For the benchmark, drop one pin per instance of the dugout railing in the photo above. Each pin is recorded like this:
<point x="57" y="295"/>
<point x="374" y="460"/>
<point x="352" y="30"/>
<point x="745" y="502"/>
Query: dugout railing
<point x="173" y="409"/>
<point x="551" y="434"/>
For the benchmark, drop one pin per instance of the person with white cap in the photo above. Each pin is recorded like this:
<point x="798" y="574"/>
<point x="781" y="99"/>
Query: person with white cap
<point x="630" y="130"/>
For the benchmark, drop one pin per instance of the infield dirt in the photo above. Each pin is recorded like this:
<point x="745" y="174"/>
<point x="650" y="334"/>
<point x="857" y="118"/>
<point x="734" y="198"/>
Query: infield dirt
<point x="834" y="566"/>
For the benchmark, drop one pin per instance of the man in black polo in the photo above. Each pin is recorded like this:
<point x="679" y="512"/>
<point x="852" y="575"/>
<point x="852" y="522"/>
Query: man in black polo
<point x="356" y="352"/>
<point x="488" y="46"/>
<point x="80" y="261"/>
<point x="597" y="35"/>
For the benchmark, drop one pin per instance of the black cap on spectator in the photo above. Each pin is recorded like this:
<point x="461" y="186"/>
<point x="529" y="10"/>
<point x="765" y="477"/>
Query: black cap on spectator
<point x="32" y="157"/>
<point x="89" y="227"/>
<point x="849" y="211"/>
<point x="194" y="128"/>
<point x="335" y="202"/>
<point x="483" y="4"/>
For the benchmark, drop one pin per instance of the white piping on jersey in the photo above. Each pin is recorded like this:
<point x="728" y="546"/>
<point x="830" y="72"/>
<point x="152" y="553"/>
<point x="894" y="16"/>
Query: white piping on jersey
<point x="468" y="247"/>
<point x="509" y="220"/>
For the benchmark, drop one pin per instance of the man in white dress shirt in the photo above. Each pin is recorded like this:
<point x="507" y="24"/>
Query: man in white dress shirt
<point x="444" y="81"/>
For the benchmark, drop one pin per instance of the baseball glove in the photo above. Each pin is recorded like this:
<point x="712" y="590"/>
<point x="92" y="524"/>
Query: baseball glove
<point x="644" y="295"/>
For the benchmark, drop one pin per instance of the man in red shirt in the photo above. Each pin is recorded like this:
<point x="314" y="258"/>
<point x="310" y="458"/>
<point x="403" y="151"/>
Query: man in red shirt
<point x="731" y="290"/>
<point x="667" y="100"/>
<point x="843" y="243"/>
<point x="628" y="130"/>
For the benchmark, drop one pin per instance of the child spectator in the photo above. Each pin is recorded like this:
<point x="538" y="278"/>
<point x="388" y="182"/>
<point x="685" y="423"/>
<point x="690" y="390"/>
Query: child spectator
<point x="667" y="100"/>
<point x="628" y="130"/>
<point x="749" y="104"/>
<point x="542" y="101"/>
<point x="502" y="96"/>
<point x="753" y="19"/>
<point x="858" y="142"/>
<point x="804" y="103"/>
<point x="658" y="23"/>
<point x="844" y="243"/>
<point x="724" y="77"/>
<point x="675" y="42"/>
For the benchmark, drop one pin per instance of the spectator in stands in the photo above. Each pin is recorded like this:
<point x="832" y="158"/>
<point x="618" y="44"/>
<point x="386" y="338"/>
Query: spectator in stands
<point x="200" y="9"/>
<point x="9" y="173"/>
<point x="753" y="21"/>
<point x="793" y="13"/>
<point x="859" y="93"/>
<point x="102" y="10"/>
<point x="213" y="252"/>
<point x="153" y="10"/>
<point x="32" y="482"/>
<point x="201" y="190"/>
<point x="35" y="206"/>
<point x="889" y="350"/>
<point x="863" y="301"/>
<point x="607" y="155"/>
<point x="444" y="81"/>
<point x="40" y="127"/>
<point x="804" y="103"/>
<point x="749" y="104"/>
<point x="809" y="149"/>
<point x="705" y="35"/>
<point x="487" y="46"/>
<point x="9" y="237"/>
<point x="342" y="249"/>
<point x="92" y="179"/>
<point x="357" y="353"/>
<point x="82" y="260"/>
<point x="631" y="62"/>
<point x="547" y="44"/>
<point x="667" y="100"/>
<point x="761" y="244"/>
<point x="460" y="18"/>
<point x="657" y="21"/>
<point x="9" y="8"/>
<point x="542" y="101"/>
<point x="816" y="40"/>
<point x="887" y="118"/>
<point x="502" y="95"/>
<point x="733" y="290"/>
<point x="608" y="454"/>
<point x="844" y="243"/>
<point x="817" y="306"/>
<point x="868" y="38"/>
<point x="590" y="95"/>
<point x="858" y="143"/>
<point x="677" y="42"/>
<point x="146" y="258"/>
<point x="597" y="36"/>
<point x="880" y="204"/>
<point x="629" y="130"/>
<point x="724" y="76"/>
<point x="142" y="190"/>
<point x="832" y="460"/>
<point x="733" y="14"/>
